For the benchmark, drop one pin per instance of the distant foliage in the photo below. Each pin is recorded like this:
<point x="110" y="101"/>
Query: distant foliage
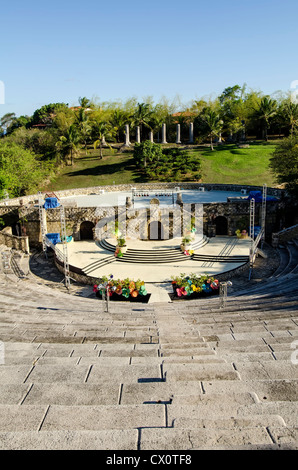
<point x="20" y="170"/>
<point x="284" y="163"/>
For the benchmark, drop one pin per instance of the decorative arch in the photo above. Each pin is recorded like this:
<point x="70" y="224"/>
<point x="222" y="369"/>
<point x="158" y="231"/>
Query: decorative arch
<point x="87" y="230"/>
<point x="155" y="230"/>
<point x="221" y="224"/>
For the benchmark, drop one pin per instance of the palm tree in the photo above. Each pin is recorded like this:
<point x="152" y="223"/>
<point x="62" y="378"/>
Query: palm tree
<point x="84" y="102"/>
<point x="142" y="116"/>
<point x="103" y="130"/>
<point x="214" y="124"/>
<point x="68" y="143"/>
<point x="267" y="109"/>
<point x="118" y="120"/>
<point x="290" y="115"/>
<point x="83" y="126"/>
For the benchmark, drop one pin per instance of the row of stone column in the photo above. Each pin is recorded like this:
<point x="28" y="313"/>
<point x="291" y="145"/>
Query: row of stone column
<point x="163" y="134"/>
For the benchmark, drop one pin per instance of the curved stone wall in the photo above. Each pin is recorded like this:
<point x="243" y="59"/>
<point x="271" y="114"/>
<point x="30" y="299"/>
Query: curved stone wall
<point x="232" y="214"/>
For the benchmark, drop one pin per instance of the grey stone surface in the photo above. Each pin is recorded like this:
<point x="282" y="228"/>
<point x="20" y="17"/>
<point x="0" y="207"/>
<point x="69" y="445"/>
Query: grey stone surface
<point x="103" y="417"/>
<point x="70" y="440"/>
<point x="203" y="379"/>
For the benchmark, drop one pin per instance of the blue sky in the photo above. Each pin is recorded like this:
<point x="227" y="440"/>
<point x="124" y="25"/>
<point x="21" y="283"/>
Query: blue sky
<point x="58" y="51"/>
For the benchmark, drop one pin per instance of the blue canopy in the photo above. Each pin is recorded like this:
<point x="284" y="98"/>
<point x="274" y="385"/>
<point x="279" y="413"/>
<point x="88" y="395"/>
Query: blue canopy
<point x="54" y="237"/>
<point x="258" y="196"/>
<point x="51" y="203"/>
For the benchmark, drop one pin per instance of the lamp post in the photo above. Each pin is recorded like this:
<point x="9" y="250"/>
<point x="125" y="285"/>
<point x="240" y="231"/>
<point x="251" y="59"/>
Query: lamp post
<point x="223" y="293"/>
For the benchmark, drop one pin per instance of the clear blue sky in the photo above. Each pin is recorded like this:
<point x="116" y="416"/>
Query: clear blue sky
<point x="60" y="50"/>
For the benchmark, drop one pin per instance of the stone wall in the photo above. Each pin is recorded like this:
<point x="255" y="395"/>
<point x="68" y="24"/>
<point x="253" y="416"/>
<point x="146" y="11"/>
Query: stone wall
<point x="234" y="214"/>
<point x="12" y="241"/>
<point x="284" y="235"/>
<point x="34" y="198"/>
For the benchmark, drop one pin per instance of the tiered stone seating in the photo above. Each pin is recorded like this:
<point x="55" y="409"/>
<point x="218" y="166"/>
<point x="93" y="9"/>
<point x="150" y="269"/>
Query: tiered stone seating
<point x="182" y="375"/>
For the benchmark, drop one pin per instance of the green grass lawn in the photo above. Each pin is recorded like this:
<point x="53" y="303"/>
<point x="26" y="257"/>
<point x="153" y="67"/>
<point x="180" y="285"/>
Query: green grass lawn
<point x="89" y="170"/>
<point x="230" y="164"/>
<point x="226" y="164"/>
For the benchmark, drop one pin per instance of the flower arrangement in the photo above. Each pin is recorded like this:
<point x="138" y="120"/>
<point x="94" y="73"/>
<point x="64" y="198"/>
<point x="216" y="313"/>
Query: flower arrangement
<point x="126" y="287"/>
<point x="241" y="234"/>
<point x="192" y="284"/>
<point x="121" y="241"/>
<point x="121" y="247"/>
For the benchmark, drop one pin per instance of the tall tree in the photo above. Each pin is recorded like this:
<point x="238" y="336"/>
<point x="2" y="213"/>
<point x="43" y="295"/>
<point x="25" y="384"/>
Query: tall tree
<point x="284" y="163"/>
<point x="46" y="114"/>
<point x="142" y="116"/>
<point x="289" y="112"/>
<point x="20" y="170"/>
<point x="267" y="109"/>
<point x="84" y="102"/>
<point x="214" y="124"/>
<point x="118" y="120"/>
<point x="68" y="143"/>
<point x="103" y="130"/>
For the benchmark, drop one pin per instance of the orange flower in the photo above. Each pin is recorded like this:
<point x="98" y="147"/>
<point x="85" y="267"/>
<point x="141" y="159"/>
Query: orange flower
<point x="134" y="293"/>
<point x="131" y="286"/>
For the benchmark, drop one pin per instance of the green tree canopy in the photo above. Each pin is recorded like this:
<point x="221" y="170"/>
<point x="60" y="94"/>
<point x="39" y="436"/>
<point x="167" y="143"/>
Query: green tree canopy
<point x="47" y="113"/>
<point x="284" y="163"/>
<point x="20" y="170"/>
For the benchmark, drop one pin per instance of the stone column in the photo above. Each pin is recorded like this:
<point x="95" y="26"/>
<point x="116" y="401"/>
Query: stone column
<point x="178" y="141"/>
<point x="164" y="132"/>
<point x="138" y="135"/>
<point x="127" y="142"/>
<point x="191" y="133"/>
<point x="151" y="136"/>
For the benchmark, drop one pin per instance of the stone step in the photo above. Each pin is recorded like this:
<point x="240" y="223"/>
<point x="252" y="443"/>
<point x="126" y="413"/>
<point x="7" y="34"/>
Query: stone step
<point x="268" y="390"/>
<point x="151" y="439"/>
<point x="70" y="440"/>
<point x="111" y="392"/>
<point x="267" y="370"/>
<point x="88" y="417"/>
<point x="171" y="439"/>
<point x="250" y="422"/>
<point x="176" y="372"/>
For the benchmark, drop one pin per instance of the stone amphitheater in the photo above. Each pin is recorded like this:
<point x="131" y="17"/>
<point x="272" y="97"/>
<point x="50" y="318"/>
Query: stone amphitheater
<point x="185" y="375"/>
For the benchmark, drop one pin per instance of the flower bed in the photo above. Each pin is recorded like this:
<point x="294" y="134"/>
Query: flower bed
<point x="125" y="290"/>
<point x="193" y="286"/>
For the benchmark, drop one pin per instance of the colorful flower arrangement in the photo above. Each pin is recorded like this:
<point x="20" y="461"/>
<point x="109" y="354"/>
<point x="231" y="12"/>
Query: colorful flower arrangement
<point x="125" y="287"/>
<point x="192" y="284"/>
<point x="118" y="253"/>
<point x="121" y="247"/>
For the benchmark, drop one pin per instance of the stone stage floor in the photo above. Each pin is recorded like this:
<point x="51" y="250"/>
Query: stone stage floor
<point x="158" y="276"/>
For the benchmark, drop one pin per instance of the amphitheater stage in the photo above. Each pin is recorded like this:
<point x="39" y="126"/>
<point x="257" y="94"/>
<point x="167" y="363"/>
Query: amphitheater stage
<point x="215" y="256"/>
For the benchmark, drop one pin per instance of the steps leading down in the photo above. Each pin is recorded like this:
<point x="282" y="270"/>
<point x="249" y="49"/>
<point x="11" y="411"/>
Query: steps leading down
<point x="151" y="256"/>
<point x="185" y="375"/>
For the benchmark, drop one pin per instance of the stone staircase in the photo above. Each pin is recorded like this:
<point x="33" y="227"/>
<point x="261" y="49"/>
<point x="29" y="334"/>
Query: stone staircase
<point x="182" y="375"/>
<point x="155" y="256"/>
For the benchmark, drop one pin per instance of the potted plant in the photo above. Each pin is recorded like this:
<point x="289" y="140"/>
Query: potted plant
<point x="241" y="234"/>
<point x="185" y="243"/>
<point x="121" y="245"/>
